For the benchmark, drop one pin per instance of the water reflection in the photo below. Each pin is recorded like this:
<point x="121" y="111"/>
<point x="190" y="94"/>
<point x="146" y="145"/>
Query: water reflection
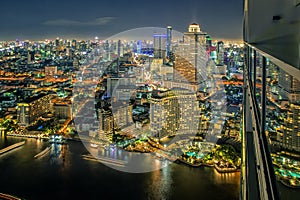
<point x="132" y="162"/>
<point x="160" y="183"/>
<point x="3" y="139"/>
<point x="93" y="180"/>
<point x="226" y="178"/>
<point x="60" y="155"/>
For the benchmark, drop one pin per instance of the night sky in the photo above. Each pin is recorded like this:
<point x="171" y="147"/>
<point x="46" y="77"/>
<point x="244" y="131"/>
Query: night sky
<point x="40" y="19"/>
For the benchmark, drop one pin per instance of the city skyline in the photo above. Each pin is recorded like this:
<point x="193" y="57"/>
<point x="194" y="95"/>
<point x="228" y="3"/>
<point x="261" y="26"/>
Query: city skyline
<point x="150" y="99"/>
<point x="50" y="19"/>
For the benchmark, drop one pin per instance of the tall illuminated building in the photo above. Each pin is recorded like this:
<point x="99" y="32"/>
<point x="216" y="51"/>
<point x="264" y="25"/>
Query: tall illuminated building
<point x="208" y="41"/>
<point x="160" y="44"/>
<point x="184" y="70"/>
<point x="106" y="121"/>
<point x="122" y="114"/>
<point x="119" y="49"/>
<point x="74" y="44"/>
<point x="114" y="84"/>
<point x="190" y="56"/>
<point x="208" y="46"/>
<point x="30" y="56"/>
<point x="220" y="53"/>
<point x="139" y="47"/>
<point x="33" y="108"/>
<point x="169" y="40"/>
<point x="106" y="48"/>
<point x="196" y="34"/>
<point x="173" y="112"/>
<point x="62" y="110"/>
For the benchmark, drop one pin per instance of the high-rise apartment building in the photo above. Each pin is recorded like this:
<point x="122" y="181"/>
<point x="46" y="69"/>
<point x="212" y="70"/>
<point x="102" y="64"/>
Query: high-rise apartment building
<point x="184" y="71"/>
<point x="30" y="56"/>
<point x="169" y="41"/>
<point x="33" y="108"/>
<point x="220" y="53"/>
<point x="122" y="114"/>
<point x="190" y="56"/>
<point x="106" y="121"/>
<point x="62" y="110"/>
<point x="160" y="44"/>
<point x="139" y="47"/>
<point x="173" y="112"/>
<point x="114" y="83"/>
<point x="196" y="34"/>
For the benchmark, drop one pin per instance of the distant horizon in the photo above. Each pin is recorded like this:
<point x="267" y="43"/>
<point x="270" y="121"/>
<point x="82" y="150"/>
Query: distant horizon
<point x="90" y="39"/>
<point x="101" y="37"/>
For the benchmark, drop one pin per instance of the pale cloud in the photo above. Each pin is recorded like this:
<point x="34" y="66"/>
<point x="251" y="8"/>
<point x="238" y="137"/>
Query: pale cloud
<point x="66" y="22"/>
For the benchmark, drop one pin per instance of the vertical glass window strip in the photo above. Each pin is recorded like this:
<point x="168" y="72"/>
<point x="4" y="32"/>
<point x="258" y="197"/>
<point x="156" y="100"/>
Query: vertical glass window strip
<point x="258" y="81"/>
<point x="253" y="74"/>
<point x="283" y="128"/>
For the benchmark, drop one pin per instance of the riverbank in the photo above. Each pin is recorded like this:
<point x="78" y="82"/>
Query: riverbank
<point x="288" y="184"/>
<point x="27" y="136"/>
<point x="220" y="170"/>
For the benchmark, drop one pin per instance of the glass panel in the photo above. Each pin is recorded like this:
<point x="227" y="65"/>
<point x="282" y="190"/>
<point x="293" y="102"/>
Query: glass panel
<point x="253" y="71"/>
<point x="283" y="130"/>
<point x="258" y="81"/>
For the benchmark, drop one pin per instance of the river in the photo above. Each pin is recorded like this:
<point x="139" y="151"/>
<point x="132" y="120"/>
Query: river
<point x="64" y="174"/>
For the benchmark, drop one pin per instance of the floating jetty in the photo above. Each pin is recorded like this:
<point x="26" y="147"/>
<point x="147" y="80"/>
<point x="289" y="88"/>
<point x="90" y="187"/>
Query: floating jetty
<point x="42" y="153"/>
<point x="11" y="147"/>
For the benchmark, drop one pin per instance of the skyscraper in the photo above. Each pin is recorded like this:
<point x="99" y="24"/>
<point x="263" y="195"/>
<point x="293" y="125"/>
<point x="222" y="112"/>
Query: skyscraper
<point x="106" y="122"/>
<point x="220" y="53"/>
<point x="184" y="70"/>
<point x="169" y="40"/>
<point x="195" y="32"/>
<point x="160" y="44"/>
<point x="30" y="56"/>
<point x="173" y="112"/>
<point x="190" y="56"/>
<point x="106" y="48"/>
<point x="208" y="46"/>
<point x="119" y="49"/>
<point x="139" y="47"/>
<point x="196" y="38"/>
<point x="32" y="108"/>
<point x="122" y="114"/>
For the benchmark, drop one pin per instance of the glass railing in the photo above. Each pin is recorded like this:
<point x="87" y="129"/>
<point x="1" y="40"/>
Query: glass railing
<point x="276" y="95"/>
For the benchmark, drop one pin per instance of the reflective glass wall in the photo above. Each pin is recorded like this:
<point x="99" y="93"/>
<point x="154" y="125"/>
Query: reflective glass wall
<point x="281" y="119"/>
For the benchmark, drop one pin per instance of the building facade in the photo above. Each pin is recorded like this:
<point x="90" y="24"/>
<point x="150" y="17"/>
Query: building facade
<point x="173" y="112"/>
<point x="33" y="108"/>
